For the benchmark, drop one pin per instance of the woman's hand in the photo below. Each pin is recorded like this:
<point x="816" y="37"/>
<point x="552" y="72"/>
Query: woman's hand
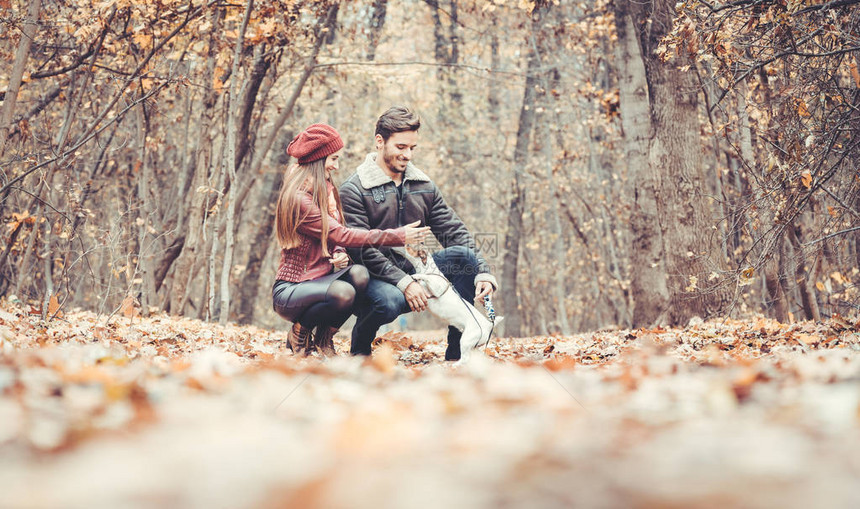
<point x="340" y="260"/>
<point x="416" y="234"/>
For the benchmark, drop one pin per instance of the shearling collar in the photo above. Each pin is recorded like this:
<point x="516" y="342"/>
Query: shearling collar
<point x="371" y="175"/>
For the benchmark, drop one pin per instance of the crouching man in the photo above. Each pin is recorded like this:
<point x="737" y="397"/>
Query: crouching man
<point x="388" y="191"/>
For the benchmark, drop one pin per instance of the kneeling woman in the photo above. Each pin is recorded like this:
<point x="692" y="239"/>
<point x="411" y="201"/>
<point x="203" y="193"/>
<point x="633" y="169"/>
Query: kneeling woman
<point x="315" y="286"/>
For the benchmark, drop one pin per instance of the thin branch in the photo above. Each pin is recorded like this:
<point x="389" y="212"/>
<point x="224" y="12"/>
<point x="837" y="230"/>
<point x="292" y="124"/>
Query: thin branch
<point x="840" y="202"/>
<point x="828" y="6"/>
<point x="763" y="63"/>
<point x="836" y="234"/>
<point x="428" y="64"/>
<point x="328" y="21"/>
<point x="743" y="3"/>
<point x="45" y="203"/>
<point x="90" y="136"/>
<point x="141" y="66"/>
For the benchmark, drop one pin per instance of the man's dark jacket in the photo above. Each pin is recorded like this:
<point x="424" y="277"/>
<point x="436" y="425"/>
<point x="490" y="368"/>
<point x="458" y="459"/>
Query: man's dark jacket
<point x="371" y="199"/>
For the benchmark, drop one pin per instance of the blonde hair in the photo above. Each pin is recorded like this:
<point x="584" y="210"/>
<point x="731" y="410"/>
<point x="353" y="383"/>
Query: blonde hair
<point x="303" y="178"/>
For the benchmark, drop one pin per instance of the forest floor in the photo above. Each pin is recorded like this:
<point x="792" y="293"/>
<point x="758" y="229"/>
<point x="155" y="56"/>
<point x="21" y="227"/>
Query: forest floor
<point x="174" y="412"/>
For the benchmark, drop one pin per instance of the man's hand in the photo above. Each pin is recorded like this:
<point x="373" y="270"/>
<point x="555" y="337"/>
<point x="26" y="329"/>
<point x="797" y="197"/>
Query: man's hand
<point x="340" y="260"/>
<point x="483" y="288"/>
<point x="416" y="297"/>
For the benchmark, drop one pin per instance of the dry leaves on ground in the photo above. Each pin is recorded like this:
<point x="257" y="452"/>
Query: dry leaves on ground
<point x="172" y="411"/>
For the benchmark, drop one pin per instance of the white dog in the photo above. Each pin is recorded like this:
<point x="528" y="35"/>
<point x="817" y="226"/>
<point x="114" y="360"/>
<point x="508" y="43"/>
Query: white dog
<point x="444" y="301"/>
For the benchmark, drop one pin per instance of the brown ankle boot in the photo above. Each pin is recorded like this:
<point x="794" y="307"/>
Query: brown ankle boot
<point x="299" y="339"/>
<point x="323" y="339"/>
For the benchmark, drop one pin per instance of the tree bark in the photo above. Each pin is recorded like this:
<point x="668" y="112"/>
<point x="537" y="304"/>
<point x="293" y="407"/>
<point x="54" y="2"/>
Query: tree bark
<point x="675" y="158"/>
<point x="328" y="24"/>
<point x="556" y="256"/>
<point x="271" y="184"/>
<point x="231" y="158"/>
<point x="377" y="22"/>
<point x="15" y="79"/>
<point x="186" y="265"/>
<point x="145" y="219"/>
<point x="648" y="286"/>
<point x="772" y="276"/>
<point x="262" y="61"/>
<point x="801" y="274"/>
<point x="513" y="311"/>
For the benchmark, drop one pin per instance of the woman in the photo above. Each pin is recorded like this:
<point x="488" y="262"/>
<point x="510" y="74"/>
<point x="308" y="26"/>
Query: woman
<point x="316" y="287"/>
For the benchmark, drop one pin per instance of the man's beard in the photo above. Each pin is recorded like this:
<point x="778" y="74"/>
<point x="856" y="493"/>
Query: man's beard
<point x="392" y="162"/>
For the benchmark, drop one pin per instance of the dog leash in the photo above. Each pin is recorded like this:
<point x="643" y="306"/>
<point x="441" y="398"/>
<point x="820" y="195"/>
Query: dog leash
<point x="491" y="314"/>
<point x="469" y="309"/>
<point x="488" y="303"/>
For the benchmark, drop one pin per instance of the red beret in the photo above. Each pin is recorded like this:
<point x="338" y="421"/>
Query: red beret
<point x="315" y="142"/>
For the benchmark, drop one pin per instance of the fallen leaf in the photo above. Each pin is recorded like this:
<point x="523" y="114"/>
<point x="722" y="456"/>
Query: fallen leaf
<point x="129" y="307"/>
<point x="53" y="306"/>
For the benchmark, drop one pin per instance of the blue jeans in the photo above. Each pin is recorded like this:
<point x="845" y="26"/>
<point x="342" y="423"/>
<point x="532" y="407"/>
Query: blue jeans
<point x="384" y="302"/>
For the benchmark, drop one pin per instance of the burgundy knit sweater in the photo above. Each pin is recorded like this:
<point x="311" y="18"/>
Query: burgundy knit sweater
<point x="306" y="261"/>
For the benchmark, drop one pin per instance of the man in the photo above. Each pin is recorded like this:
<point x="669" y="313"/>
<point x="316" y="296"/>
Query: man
<point x="388" y="191"/>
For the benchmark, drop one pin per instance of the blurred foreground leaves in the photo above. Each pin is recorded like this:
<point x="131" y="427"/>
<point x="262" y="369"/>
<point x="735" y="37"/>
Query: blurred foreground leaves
<point x="142" y="412"/>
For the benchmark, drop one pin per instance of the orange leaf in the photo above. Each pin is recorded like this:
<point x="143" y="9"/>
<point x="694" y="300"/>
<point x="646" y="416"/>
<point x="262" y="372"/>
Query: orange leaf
<point x="806" y="179"/>
<point x="142" y="39"/>
<point x="855" y="73"/>
<point x="128" y="308"/>
<point x="53" y="305"/>
<point x="560" y="363"/>
<point x="801" y="109"/>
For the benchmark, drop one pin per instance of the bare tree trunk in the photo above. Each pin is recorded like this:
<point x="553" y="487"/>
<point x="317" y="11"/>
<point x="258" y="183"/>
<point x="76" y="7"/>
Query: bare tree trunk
<point x="24" y="262"/>
<point x="772" y="276"/>
<point x="328" y="23"/>
<point x="46" y="184"/>
<point x="449" y="106"/>
<point x="230" y="157"/>
<point x="684" y="211"/>
<point x="807" y="296"/>
<point x="271" y="184"/>
<point x="48" y="274"/>
<point x="15" y="79"/>
<point x="556" y="256"/>
<point x="493" y="100"/>
<point x="215" y="222"/>
<point x="185" y="267"/>
<point x="179" y="203"/>
<point x="377" y="21"/>
<point x="771" y="253"/>
<point x="513" y="315"/>
<point x="262" y="61"/>
<point x="648" y="286"/>
<point x="146" y="210"/>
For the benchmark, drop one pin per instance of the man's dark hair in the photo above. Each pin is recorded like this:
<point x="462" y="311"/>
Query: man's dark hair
<point x="397" y="120"/>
